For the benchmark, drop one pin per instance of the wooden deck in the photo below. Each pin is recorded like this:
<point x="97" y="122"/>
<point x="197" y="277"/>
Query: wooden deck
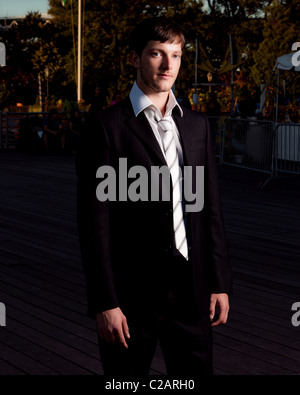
<point x="43" y="289"/>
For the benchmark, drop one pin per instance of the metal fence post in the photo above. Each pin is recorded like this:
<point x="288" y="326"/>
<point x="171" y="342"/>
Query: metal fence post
<point x="248" y="144"/>
<point x="1" y="135"/>
<point x="273" y="173"/>
<point x="7" y="130"/>
<point x="275" y="153"/>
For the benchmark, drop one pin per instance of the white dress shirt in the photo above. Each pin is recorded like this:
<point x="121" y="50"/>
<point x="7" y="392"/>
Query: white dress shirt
<point x="141" y="102"/>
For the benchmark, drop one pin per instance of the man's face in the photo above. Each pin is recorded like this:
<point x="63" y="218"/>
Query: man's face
<point x="158" y="66"/>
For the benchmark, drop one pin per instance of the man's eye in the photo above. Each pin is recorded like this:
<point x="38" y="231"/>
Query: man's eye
<point x="156" y="54"/>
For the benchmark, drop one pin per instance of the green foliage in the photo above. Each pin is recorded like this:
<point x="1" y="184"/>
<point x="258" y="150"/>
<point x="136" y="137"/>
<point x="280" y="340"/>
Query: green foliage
<point x="26" y="47"/>
<point x="5" y="96"/>
<point x="106" y="29"/>
<point x="261" y="30"/>
<point x="280" y="31"/>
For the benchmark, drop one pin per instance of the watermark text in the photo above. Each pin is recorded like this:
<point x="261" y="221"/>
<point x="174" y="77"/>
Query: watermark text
<point x="296" y="55"/>
<point x="138" y="184"/>
<point x="2" y="314"/>
<point x="2" y="54"/>
<point x="296" y="316"/>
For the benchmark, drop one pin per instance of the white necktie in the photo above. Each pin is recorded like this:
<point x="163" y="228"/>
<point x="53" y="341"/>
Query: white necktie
<point x="173" y="164"/>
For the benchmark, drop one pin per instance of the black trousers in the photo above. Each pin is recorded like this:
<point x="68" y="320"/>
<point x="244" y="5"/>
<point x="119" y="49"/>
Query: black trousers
<point x="185" y="338"/>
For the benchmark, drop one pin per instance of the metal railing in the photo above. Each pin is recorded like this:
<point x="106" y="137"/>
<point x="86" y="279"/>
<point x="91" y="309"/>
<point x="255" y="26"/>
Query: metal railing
<point x="287" y="148"/>
<point x="249" y="144"/>
<point x="216" y="125"/>
<point x="15" y="126"/>
<point x="10" y="127"/>
<point x="261" y="145"/>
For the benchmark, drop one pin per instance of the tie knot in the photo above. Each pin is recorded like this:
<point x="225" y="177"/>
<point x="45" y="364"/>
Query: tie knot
<point x="165" y="123"/>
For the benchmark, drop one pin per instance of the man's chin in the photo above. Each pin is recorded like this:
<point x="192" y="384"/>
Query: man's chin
<point x="164" y="86"/>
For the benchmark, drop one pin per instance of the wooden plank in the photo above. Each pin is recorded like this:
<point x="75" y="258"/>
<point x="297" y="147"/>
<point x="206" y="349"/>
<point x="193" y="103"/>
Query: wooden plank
<point x="16" y="358"/>
<point x="9" y="370"/>
<point x="42" y="281"/>
<point x="56" y="354"/>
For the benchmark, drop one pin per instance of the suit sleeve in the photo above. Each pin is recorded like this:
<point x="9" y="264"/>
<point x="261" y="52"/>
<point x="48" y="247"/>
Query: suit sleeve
<point x="93" y="219"/>
<point x="220" y="271"/>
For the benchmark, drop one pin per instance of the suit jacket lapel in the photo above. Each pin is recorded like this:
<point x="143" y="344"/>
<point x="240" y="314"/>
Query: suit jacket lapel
<point x="142" y="129"/>
<point x="184" y="135"/>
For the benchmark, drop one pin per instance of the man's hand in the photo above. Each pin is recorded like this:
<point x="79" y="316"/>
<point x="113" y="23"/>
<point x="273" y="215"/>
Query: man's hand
<point x="112" y="326"/>
<point x="220" y="301"/>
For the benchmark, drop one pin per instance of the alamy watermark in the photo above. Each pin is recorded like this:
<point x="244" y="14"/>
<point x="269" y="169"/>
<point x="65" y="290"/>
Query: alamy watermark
<point x="158" y="181"/>
<point x="2" y="54"/>
<point x="2" y="314"/>
<point x="296" y="55"/>
<point x="296" y="316"/>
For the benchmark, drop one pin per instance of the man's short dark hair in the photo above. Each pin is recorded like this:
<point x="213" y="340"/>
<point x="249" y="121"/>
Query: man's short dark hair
<point x="156" y="29"/>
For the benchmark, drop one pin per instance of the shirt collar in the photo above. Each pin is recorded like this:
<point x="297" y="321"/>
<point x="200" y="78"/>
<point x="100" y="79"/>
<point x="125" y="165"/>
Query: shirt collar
<point x="140" y="101"/>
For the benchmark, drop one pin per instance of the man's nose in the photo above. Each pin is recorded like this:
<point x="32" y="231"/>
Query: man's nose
<point x="167" y="63"/>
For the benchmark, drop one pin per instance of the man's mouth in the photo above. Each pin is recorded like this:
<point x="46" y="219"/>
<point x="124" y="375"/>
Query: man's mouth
<point x="166" y="76"/>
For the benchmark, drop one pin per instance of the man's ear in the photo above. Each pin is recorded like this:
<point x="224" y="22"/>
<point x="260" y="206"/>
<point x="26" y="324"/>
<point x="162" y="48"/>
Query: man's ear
<point x="134" y="59"/>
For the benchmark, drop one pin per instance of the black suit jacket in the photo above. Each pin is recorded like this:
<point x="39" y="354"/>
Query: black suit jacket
<point x="125" y="244"/>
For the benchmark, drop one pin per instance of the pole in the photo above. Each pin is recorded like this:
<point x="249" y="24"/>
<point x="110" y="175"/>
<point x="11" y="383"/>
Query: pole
<point x="277" y="99"/>
<point x="231" y="57"/>
<point x="40" y="92"/>
<point x="196" y="62"/>
<point x="262" y="99"/>
<point x="79" y="55"/>
<point x="195" y="95"/>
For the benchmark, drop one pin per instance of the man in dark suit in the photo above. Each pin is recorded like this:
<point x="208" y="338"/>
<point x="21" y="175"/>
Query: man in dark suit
<point x="155" y="266"/>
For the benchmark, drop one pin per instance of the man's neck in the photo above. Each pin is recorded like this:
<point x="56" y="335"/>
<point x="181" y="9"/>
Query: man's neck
<point x="159" y="99"/>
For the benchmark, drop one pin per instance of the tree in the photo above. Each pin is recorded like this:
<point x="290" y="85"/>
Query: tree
<point x="280" y="31"/>
<point x="23" y="42"/>
<point x="106" y="29"/>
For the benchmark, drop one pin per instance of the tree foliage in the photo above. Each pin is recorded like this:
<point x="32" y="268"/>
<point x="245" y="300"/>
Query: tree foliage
<point x="17" y="78"/>
<point x="106" y="29"/>
<point x="280" y="31"/>
<point x="261" y="31"/>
